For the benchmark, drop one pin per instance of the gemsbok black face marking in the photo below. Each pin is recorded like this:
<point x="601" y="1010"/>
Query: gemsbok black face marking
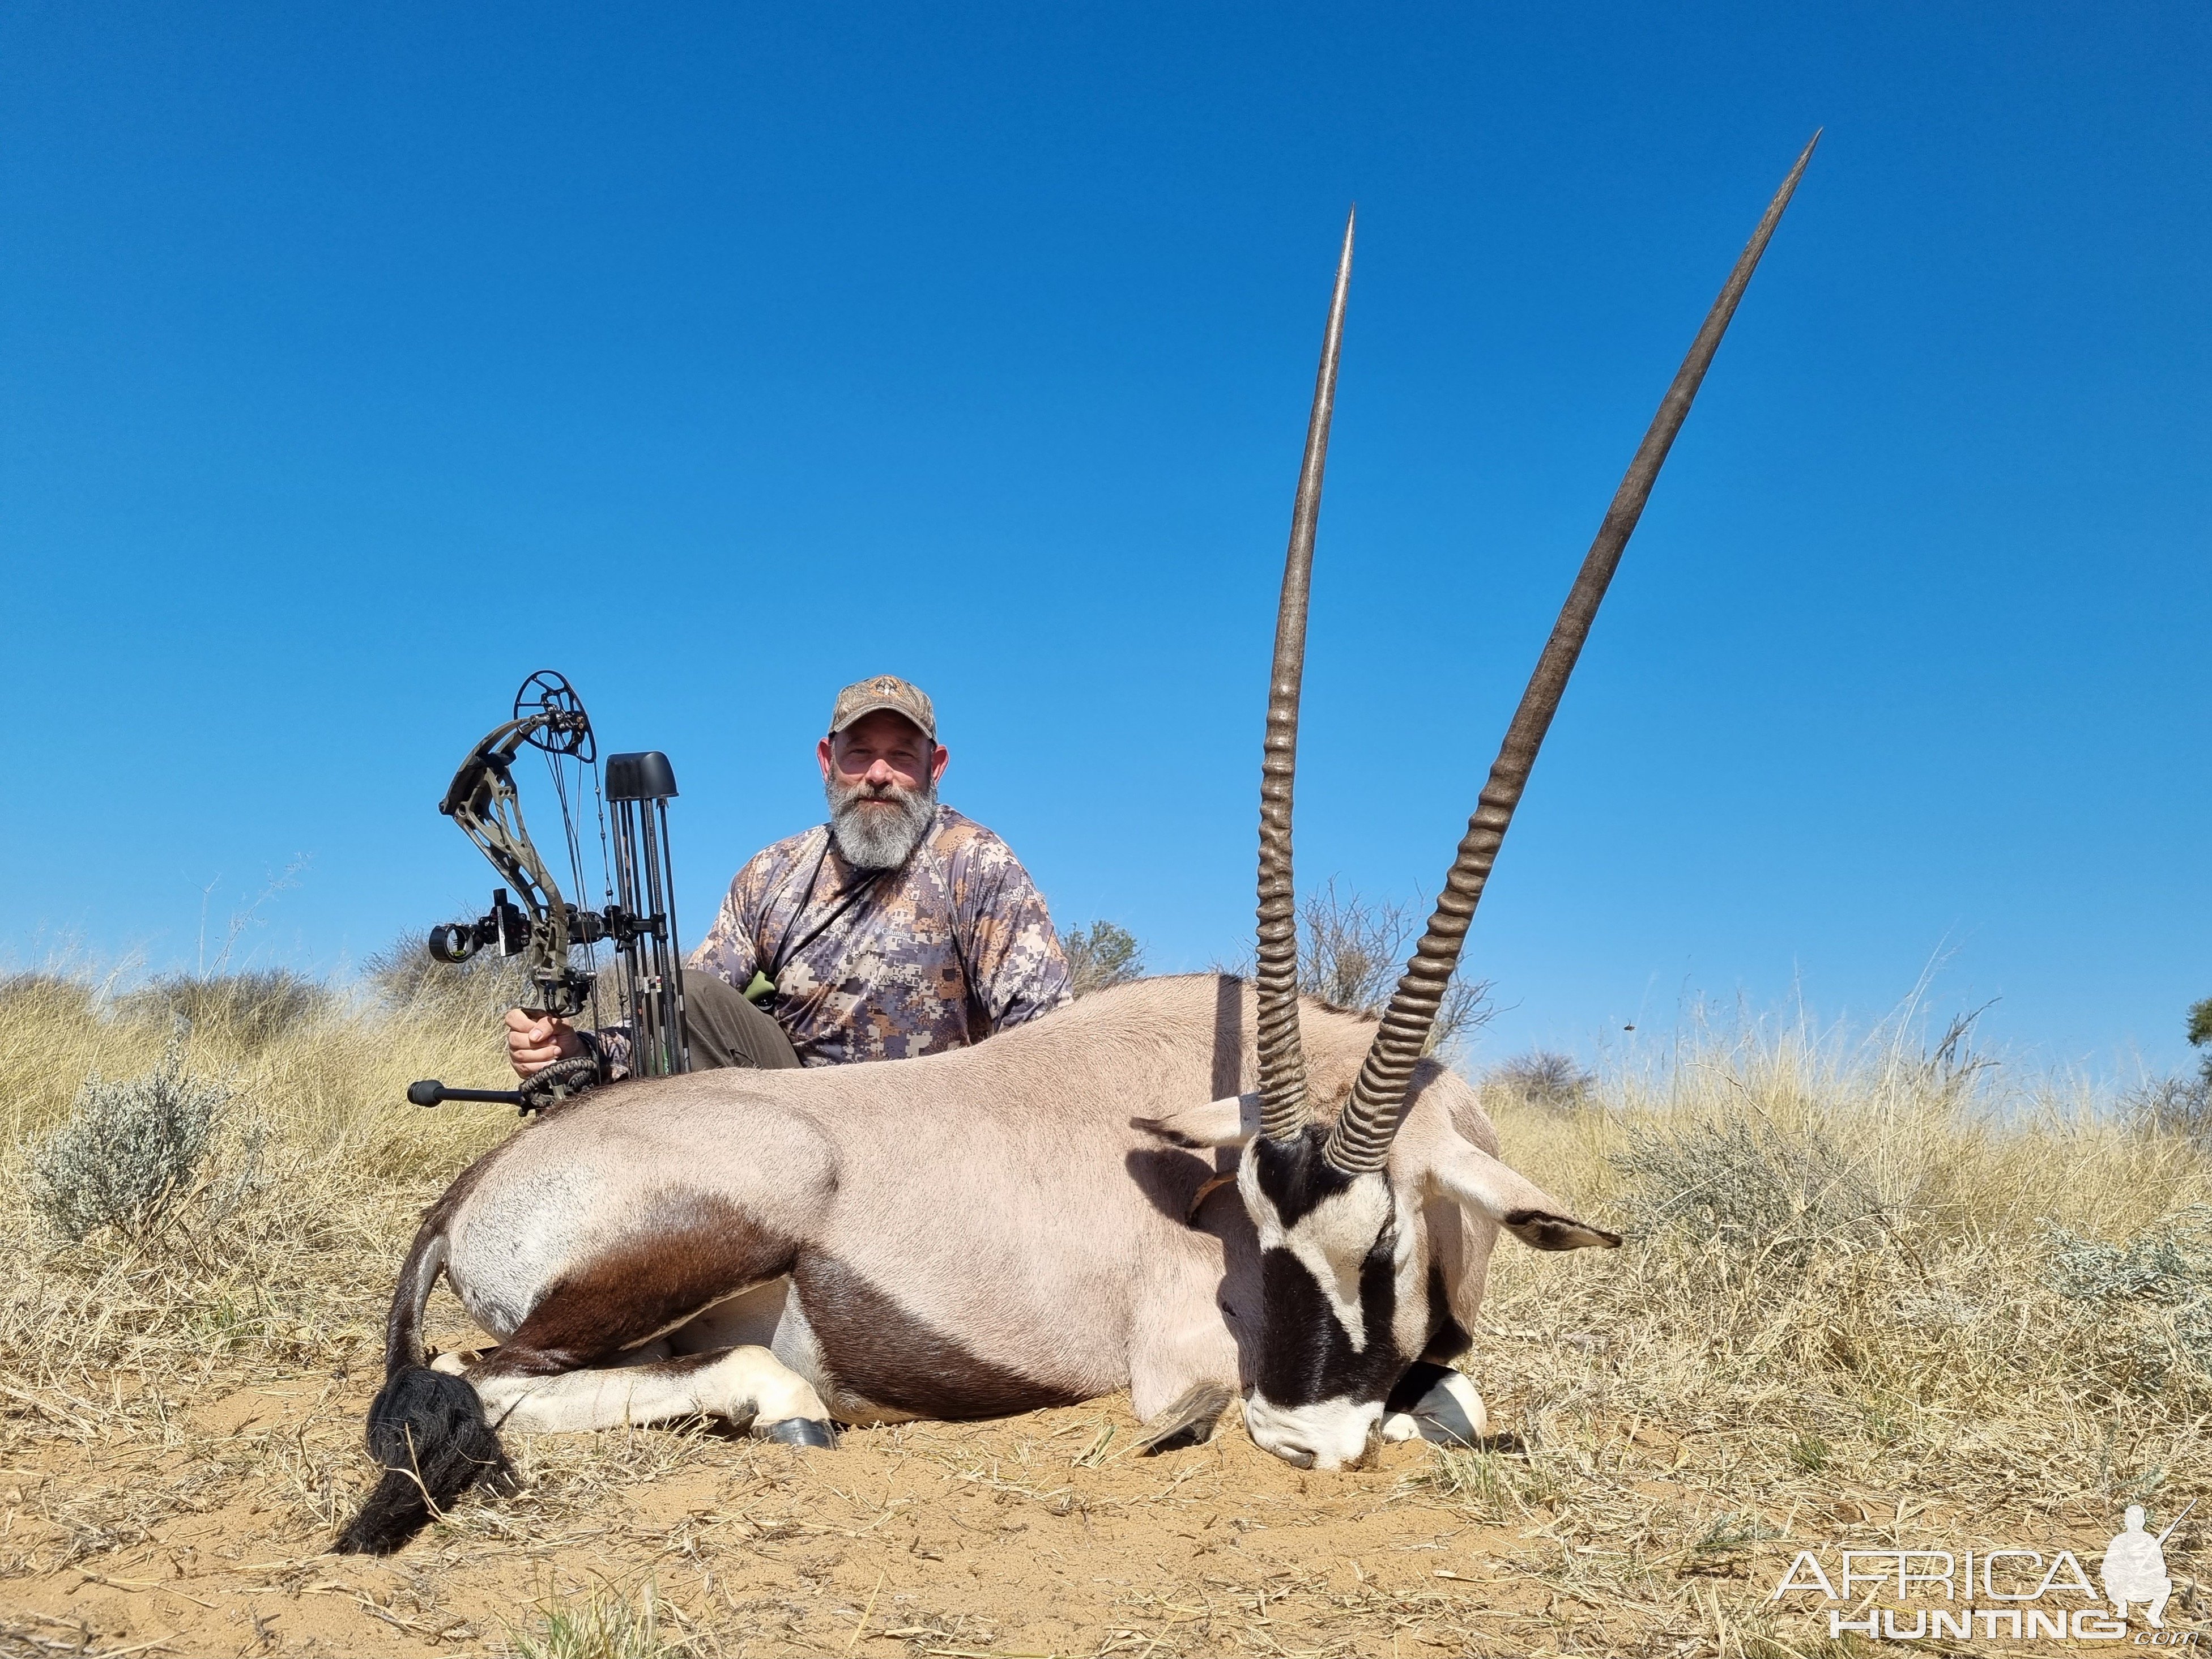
<point x="1448" y="1339"/>
<point x="1330" y="1335"/>
<point x="1000" y="1228"/>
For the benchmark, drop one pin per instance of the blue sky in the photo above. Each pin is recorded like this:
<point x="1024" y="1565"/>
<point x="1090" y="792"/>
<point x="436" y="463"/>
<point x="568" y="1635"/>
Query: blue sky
<point x="356" y="362"/>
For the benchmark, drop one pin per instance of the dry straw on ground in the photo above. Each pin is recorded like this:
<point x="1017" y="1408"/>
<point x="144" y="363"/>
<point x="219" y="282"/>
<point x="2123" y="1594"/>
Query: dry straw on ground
<point x="1873" y="1297"/>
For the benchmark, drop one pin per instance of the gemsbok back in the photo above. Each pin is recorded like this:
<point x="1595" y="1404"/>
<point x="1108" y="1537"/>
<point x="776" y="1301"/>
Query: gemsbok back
<point x="1037" y="1221"/>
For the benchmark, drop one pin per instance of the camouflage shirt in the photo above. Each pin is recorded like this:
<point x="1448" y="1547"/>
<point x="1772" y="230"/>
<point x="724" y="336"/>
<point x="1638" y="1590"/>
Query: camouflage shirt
<point x="952" y="945"/>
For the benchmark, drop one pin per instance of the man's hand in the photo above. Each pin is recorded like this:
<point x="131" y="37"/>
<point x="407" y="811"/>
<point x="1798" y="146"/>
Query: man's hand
<point x="535" y="1041"/>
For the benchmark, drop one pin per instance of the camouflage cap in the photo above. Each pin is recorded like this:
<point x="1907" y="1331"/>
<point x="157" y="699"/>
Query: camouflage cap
<point x="884" y="691"/>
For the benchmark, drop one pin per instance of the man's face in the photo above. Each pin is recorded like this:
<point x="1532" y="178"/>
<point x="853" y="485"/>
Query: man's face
<point x="882" y="752"/>
<point x="879" y="774"/>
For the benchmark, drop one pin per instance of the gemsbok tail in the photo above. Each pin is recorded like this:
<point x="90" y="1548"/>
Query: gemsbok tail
<point x="426" y="1429"/>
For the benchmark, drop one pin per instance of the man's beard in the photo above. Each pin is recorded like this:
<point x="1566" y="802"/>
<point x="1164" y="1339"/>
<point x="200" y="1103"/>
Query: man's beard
<point x="879" y="829"/>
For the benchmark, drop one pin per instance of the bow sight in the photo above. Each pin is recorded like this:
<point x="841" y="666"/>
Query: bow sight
<point x="544" y="928"/>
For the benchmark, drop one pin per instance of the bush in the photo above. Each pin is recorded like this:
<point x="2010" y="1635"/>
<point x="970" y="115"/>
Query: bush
<point x="128" y="1155"/>
<point x="1749" y="1186"/>
<point x="42" y="999"/>
<point x="1350" y="952"/>
<point x="1550" y="1082"/>
<point x="2177" y="1105"/>
<point x="403" y="975"/>
<point x="2168" y="1267"/>
<point x="254" y="1008"/>
<point x="1102" y="955"/>
<point x="1351" y="948"/>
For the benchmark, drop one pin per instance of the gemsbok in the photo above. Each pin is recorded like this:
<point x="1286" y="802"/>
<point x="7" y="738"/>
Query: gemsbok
<point x="1037" y="1221"/>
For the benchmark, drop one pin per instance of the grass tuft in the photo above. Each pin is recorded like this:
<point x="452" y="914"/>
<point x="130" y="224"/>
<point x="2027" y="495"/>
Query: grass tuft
<point x="602" y="1624"/>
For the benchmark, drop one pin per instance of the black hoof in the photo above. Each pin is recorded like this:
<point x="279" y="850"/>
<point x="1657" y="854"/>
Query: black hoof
<point x="803" y="1432"/>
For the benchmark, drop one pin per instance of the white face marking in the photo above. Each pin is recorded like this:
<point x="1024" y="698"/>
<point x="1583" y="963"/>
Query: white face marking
<point x="1327" y="1435"/>
<point x="1330" y="1240"/>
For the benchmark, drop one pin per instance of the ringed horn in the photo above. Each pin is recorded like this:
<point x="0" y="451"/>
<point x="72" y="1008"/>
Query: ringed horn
<point x="1282" y="1063"/>
<point x="1361" y="1140"/>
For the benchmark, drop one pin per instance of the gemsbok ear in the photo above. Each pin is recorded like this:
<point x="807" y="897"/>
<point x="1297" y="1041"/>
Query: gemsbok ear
<point x="1475" y="1181"/>
<point x="1227" y="1123"/>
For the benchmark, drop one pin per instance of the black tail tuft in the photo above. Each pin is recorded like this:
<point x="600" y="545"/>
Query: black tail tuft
<point x="1189" y="1421"/>
<point x="430" y="1433"/>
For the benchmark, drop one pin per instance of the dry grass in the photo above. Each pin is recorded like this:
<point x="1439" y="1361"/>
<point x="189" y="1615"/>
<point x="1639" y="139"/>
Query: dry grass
<point x="1865" y="1301"/>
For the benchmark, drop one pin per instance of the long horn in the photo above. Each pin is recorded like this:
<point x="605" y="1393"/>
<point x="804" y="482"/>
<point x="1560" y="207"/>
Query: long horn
<point x="1282" y="1061"/>
<point x="1361" y="1140"/>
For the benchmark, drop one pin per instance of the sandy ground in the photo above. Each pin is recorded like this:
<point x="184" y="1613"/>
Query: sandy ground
<point x="1034" y="1535"/>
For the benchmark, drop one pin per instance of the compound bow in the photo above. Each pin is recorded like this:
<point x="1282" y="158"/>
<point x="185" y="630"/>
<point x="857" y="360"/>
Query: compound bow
<point x="546" y="929"/>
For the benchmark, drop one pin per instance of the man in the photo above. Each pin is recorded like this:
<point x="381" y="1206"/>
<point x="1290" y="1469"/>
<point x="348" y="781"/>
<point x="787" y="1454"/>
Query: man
<point x="897" y="928"/>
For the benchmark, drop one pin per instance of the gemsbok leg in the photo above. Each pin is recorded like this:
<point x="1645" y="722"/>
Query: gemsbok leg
<point x="747" y="1387"/>
<point x="591" y="1353"/>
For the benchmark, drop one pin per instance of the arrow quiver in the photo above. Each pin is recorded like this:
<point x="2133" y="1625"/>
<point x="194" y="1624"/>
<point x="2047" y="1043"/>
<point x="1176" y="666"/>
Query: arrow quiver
<point x="640" y="787"/>
<point x="548" y="931"/>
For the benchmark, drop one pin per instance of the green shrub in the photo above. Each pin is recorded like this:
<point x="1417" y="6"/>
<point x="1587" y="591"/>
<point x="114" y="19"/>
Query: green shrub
<point x="1101" y="955"/>
<point x="127" y="1157"/>
<point x="605" y="1624"/>
<point x="2167" y="1269"/>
